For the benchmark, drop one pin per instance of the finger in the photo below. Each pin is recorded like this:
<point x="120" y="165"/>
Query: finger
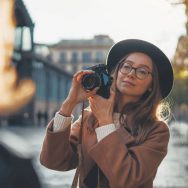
<point x="91" y="99"/>
<point x="80" y="73"/>
<point x="80" y="76"/>
<point x="75" y="76"/>
<point x="91" y="105"/>
<point x="77" y="73"/>
<point x="112" y="94"/>
<point x="92" y="93"/>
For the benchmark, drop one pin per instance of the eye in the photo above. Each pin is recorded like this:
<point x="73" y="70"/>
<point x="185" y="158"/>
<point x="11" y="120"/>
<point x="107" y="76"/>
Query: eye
<point x="126" y="67"/>
<point x="142" y="71"/>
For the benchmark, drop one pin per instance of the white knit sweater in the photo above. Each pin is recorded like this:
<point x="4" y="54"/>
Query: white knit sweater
<point x="61" y="122"/>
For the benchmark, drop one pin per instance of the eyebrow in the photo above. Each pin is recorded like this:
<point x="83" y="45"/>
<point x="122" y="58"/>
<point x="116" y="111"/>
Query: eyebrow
<point x="140" y="65"/>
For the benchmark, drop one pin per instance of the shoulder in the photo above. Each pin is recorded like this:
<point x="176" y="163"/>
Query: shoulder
<point x="160" y="131"/>
<point x="161" y="126"/>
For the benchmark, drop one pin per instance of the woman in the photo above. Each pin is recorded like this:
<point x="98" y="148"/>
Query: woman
<point x="123" y="141"/>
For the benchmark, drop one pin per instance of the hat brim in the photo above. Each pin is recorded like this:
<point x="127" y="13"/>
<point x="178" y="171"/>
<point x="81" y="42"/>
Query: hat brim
<point x="164" y="67"/>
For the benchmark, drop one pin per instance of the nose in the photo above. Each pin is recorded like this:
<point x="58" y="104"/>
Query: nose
<point x="132" y="73"/>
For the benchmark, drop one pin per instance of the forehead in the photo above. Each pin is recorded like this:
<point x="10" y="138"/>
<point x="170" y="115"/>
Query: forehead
<point x="138" y="58"/>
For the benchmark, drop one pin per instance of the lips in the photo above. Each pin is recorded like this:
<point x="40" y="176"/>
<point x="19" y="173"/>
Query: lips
<point x="128" y="83"/>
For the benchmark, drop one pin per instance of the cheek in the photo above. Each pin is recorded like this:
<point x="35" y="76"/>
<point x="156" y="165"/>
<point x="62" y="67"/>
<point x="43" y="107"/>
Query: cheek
<point x="146" y="86"/>
<point x="141" y="86"/>
<point x="119" y="77"/>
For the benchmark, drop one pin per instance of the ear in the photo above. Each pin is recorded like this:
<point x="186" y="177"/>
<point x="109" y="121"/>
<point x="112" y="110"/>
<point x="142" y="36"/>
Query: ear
<point x="150" y="89"/>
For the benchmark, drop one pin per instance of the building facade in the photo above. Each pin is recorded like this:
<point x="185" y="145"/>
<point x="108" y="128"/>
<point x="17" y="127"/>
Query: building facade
<point x="74" y="55"/>
<point x="52" y="86"/>
<point x="67" y="57"/>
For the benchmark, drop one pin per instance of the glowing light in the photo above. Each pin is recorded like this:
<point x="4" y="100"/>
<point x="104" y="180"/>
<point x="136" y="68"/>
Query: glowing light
<point x="183" y="74"/>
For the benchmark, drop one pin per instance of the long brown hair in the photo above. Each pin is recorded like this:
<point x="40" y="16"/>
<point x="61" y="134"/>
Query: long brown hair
<point x="143" y="111"/>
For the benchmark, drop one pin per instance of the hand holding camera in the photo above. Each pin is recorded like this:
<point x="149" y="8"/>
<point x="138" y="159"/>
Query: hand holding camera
<point x="86" y="83"/>
<point x="102" y="108"/>
<point x="77" y="93"/>
<point x="99" y="78"/>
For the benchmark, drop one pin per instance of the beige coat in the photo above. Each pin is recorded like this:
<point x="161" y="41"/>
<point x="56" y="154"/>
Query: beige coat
<point x="122" y="163"/>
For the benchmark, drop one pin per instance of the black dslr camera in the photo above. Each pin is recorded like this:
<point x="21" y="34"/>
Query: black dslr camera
<point x="100" y="78"/>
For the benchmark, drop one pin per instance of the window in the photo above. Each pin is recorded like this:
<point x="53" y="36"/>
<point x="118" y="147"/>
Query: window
<point x="99" y="57"/>
<point x="63" y="57"/>
<point x="62" y="88"/>
<point x="40" y="80"/>
<point x="17" y="40"/>
<point x="23" y="40"/>
<point x="65" y="84"/>
<point x="74" y="58"/>
<point x="53" y="86"/>
<point x="86" y="57"/>
<point x="27" y="44"/>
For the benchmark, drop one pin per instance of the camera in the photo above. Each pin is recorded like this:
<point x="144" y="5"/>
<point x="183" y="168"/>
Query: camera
<point x="100" y="78"/>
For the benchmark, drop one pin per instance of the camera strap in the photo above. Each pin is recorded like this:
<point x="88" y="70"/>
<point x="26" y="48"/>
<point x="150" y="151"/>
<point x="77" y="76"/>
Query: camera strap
<point x="80" y="154"/>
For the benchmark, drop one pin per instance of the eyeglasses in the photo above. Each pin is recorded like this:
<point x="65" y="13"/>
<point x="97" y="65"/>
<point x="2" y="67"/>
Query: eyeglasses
<point x="140" y="72"/>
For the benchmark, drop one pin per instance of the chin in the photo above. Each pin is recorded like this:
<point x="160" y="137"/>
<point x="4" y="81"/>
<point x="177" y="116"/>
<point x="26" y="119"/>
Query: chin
<point x="125" y="91"/>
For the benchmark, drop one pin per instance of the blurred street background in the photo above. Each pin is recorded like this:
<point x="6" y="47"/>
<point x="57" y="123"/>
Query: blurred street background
<point x="48" y="41"/>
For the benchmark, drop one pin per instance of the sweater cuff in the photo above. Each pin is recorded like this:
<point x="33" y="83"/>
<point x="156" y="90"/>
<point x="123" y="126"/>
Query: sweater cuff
<point x="61" y="122"/>
<point x="104" y="131"/>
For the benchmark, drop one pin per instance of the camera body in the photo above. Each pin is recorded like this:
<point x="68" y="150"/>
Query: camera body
<point x="100" y="78"/>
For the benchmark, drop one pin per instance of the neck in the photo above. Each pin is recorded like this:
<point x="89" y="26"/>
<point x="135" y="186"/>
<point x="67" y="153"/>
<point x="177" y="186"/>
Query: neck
<point x="123" y="100"/>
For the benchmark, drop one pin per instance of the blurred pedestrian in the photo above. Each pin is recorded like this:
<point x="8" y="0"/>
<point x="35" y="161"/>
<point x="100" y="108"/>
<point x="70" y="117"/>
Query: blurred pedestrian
<point x="39" y="118"/>
<point x="45" y="116"/>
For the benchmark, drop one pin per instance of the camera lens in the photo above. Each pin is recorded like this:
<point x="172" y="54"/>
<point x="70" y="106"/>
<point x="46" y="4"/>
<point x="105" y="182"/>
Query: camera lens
<point x="90" y="81"/>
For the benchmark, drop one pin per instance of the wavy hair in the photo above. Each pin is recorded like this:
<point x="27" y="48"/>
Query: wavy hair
<point x="144" y="112"/>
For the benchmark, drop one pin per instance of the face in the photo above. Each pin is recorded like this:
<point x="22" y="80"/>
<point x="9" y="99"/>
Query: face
<point x="135" y="75"/>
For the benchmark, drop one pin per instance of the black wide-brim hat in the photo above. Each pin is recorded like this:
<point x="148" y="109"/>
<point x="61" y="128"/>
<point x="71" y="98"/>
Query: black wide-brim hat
<point x="164" y="67"/>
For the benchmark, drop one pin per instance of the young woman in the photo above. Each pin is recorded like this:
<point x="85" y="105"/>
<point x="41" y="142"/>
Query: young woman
<point x="123" y="140"/>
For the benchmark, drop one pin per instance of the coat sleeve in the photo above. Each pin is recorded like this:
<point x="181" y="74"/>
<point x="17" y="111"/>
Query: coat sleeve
<point x="133" y="166"/>
<point x="59" y="150"/>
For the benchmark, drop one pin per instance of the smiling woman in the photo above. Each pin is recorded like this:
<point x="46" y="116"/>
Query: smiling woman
<point x="126" y="123"/>
<point x="134" y="81"/>
<point x="141" y="72"/>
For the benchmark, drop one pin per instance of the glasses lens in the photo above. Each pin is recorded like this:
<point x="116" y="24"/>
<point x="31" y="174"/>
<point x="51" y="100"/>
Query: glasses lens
<point x="141" y="73"/>
<point x="125" y="68"/>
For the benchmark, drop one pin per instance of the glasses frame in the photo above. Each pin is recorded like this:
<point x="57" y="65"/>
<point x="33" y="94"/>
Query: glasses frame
<point x="133" y="68"/>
